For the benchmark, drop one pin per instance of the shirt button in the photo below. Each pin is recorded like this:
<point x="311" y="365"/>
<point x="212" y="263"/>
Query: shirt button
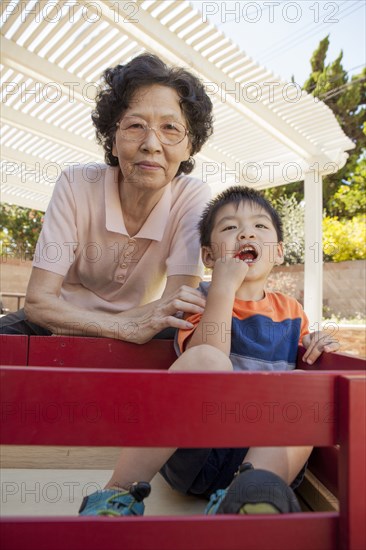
<point x="124" y="266"/>
<point x="131" y="241"/>
<point x="119" y="277"/>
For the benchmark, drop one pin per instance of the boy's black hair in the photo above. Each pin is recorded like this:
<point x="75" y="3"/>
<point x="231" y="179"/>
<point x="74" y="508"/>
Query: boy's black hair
<point x="235" y="195"/>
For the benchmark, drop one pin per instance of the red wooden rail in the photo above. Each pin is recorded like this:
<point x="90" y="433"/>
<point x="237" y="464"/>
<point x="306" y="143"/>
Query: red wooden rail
<point x="102" y="353"/>
<point x="332" y="361"/>
<point x="13" y="350"/>
<point x="352" y="471"/>
<point x="109" y="407"/>
<point x="66" y="351"/>
<point x="99" y="353"/>
<point x="42" y="406"/>
<point x="293" y="532"/>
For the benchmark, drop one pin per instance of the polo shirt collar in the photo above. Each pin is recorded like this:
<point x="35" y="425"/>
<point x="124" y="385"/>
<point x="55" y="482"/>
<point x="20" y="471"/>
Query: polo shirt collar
<point x="154" y="226"/>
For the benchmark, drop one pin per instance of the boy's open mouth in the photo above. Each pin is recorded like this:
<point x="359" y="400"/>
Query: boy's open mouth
<point x="247" y="254"/>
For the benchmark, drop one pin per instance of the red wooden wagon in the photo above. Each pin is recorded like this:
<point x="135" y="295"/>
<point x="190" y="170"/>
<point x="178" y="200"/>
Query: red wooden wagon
<point x="324" y="407"/>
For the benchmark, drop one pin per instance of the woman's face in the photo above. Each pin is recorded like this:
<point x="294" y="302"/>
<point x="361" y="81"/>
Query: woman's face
<point x="148" y="164"/>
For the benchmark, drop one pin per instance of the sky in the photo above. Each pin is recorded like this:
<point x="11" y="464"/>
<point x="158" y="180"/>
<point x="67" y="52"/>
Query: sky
<point x="282" y="34"/>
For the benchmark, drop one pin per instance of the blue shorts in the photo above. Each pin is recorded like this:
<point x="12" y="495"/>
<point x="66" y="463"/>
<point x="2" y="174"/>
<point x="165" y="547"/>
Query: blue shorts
<point x="201" y="472"/>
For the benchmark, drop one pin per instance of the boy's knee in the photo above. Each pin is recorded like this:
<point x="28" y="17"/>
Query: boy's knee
<point x="203" y="357"/>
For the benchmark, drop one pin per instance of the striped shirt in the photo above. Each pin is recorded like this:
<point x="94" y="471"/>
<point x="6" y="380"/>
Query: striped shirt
<point x="264" y="334"/>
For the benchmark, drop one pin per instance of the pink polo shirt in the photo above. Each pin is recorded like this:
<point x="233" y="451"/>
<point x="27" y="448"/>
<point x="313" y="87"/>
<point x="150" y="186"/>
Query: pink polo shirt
<point x="85" y="240"/>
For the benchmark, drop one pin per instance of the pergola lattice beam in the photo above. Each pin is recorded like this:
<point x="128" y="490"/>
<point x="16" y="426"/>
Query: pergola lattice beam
<point x="41" y="128"/>
<point x="41" y="70"/>
<point x="173" y="48"/>
<point x="25" y="185"/>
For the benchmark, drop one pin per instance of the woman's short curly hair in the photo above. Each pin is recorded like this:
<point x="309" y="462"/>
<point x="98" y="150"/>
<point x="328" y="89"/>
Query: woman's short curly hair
<point x="120" y="84"/>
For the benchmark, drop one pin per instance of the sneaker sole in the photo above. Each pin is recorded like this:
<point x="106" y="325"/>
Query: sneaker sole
<point x="258" y="508"/>
<point x="274" y="496"/>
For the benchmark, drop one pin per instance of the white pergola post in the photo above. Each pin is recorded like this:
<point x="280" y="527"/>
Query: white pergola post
<point x="313" y="272"/>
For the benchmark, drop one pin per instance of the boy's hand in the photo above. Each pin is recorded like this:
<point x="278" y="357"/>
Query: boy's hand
<point x="317" y="342"/>
<point x="230" y="272"/>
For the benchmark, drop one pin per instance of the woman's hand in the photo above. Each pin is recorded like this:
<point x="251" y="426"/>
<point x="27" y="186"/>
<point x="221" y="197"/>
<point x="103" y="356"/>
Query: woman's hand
<point x="44" y="307"/>
<point x="316" y="343"/>
<point x="167" y="312"/>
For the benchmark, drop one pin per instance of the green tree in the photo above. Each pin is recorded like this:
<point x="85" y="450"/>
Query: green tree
<point x="347" y="99"/>
<point x="19" y="231"/>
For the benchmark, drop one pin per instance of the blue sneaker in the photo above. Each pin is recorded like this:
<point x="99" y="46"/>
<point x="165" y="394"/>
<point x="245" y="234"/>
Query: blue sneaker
<point x="254" y="492"/>
<point x="112" y="502"/>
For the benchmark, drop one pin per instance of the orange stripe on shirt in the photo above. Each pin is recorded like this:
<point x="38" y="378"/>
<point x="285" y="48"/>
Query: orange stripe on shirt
<point x="276" y="306"/>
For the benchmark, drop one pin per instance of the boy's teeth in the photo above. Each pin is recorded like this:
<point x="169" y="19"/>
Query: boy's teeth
<point x="247" y="254"/>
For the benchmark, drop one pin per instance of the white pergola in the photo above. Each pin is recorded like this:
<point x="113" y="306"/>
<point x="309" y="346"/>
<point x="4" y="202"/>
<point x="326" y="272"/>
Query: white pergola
<point x="267" y="132"/>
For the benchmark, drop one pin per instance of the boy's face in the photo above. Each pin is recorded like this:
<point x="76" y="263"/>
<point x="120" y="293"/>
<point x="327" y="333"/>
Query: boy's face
<point x="247" y="232"/>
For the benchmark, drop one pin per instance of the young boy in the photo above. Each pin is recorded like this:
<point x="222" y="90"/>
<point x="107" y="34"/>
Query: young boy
<point x="243" y="327"/>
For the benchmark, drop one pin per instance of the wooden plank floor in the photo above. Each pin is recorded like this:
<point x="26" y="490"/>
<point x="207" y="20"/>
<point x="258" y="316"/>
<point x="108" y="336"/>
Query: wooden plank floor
<point x="58" y="457"/>
<point x="52" y="481"/>
<point x="34" y="492"/>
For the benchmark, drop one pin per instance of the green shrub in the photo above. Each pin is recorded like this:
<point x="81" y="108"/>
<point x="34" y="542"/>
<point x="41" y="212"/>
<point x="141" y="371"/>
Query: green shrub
<point x="292" y="215"/>
<point x="344" y="239"/>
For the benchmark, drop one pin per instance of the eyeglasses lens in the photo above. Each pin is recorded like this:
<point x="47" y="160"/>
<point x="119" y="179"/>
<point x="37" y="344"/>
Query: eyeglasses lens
<point x="168" y="133"/>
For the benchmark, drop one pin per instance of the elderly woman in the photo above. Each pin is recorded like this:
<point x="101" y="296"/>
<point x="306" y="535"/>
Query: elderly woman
<point x="118" y="255"/>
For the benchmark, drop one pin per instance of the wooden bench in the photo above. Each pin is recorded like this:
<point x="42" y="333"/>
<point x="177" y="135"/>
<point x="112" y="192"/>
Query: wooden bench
<point x="325" y="408"/>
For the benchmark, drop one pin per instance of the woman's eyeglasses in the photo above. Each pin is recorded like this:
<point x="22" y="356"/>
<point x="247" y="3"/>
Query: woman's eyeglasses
<point x="135" y="129"/>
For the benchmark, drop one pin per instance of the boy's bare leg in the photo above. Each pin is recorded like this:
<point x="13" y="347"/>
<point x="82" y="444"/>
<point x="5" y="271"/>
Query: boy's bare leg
<point x="142" y="464"/>
<point x="286" y="462"/>
<point x="138" y="464"/>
